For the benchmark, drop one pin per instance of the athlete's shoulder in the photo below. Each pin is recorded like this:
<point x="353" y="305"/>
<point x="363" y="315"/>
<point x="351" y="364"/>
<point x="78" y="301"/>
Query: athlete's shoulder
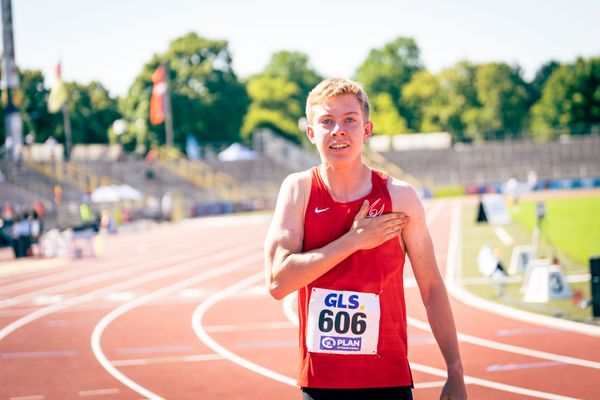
<point x="403" y="194"/>
<point x="295" y="187"/>
<point x="298" y="180"/>
<point x="401" y="188"/>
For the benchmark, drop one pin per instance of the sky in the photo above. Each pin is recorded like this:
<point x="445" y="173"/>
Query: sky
<point x="111" y="40"/>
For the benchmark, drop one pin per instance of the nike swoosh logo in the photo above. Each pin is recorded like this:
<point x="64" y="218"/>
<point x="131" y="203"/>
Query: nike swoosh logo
<point x="320" y="210"/>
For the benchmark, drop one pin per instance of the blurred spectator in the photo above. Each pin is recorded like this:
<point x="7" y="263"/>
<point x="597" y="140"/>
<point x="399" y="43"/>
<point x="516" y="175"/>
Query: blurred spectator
<point x="511" y="190"/>
<point x="21" y="236"/>
<point x="37" y="227"/>
<point x="86" y="216"/>
<point x="499" y="266"/>
<point x="7" y="218"/>
<point x="166" y="206"/>
<point x="57" y="194"/>
<point x="8" y="212"/>
<point x="39" y="208"/>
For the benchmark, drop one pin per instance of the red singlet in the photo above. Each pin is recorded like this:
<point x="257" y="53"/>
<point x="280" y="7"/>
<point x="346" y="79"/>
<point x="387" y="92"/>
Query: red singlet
<point x="376" y="271"/>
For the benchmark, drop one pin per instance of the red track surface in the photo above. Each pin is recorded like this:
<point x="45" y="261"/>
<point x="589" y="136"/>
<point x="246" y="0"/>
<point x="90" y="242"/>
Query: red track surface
<point x="152" y="316"/>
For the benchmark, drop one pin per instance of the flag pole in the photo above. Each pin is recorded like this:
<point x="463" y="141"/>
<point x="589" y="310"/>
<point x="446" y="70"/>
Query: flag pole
<point x="13" y="122"/>
<point x="168" y="112"/>
<point x="67" y="126"/>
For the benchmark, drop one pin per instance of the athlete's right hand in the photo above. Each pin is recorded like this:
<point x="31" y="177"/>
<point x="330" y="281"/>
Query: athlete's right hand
<point x="370" y="232"/>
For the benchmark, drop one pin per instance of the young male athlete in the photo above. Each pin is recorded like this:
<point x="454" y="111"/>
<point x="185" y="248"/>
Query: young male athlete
<point x="339" y="236"/>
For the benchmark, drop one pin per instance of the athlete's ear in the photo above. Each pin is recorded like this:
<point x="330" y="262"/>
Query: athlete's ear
<point x="368" y="130"/>
<point x="310" y="132"/>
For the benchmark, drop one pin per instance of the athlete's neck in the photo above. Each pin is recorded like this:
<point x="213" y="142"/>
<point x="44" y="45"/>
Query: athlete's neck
<point x="346" y="184"/>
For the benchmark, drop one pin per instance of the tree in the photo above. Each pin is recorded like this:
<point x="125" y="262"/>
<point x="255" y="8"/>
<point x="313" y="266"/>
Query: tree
<point x="34" y="107"/>
<point x="92" y="112"/>
<point x="207" y="99"/>
<point x="385" y="116"/>
<point x="388" y="69"/>
<point x="455" y="96"/>
<point x="503" y="97"/>
<point x="570" y="100"/>
<point x="541" y="77"/>
<point x="293" y="67"/>
<point x="274" y="105"/>
<point x="419" y="98"/>
<point x="279" y="95"/>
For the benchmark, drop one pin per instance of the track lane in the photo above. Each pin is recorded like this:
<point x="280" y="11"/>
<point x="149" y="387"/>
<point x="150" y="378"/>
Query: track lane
<point x="154" y="344"/>
<point x="494" y="386"/>
<point x="26" y="337"/>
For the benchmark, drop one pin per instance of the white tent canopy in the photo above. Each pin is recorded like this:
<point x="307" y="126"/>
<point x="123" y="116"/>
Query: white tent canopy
<point x="110" y="193"/>
<point x="236" y="152"/>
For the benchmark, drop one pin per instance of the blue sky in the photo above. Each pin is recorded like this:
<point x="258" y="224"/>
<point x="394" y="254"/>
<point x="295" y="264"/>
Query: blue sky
<point x="111" y="40"/>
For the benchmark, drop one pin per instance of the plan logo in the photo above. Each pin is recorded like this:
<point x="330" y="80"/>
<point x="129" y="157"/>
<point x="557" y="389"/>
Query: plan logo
<point x="340" y="343"/>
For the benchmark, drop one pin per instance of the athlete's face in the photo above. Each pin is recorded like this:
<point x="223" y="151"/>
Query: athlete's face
<point x="338" y="128"/>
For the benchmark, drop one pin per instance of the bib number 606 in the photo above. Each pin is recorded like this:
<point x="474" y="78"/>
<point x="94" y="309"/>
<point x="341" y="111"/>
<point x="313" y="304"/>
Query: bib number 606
<point x="342" y="322"/>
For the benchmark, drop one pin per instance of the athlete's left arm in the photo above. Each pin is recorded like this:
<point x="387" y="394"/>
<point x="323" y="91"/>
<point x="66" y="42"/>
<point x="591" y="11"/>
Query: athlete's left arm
<point x="419" y="248"/>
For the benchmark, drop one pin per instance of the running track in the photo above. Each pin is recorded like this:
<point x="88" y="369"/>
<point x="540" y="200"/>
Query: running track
<point x="180" y="312"/>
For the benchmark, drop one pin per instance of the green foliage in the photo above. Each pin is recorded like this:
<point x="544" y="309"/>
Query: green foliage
<point x="420" y="96"/>
<point x="34" y="107"/>
<point x="456" y="95"/>
<point x="279" y="95"/>
<point x="570" y="100"/>
<point x="92" y="112"/>
<point x="385" y="116"/>
<point x="388" y="69"/>
<point x="468" y="100"/>
<point x="539" y="81"/>
<point x="503" y="96"/>
<point x="293" y="67"/>
<point x="207" y="99"/>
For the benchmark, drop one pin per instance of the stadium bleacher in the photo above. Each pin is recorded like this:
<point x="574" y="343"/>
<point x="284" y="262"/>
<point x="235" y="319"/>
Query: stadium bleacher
<point x="491" y="163"/>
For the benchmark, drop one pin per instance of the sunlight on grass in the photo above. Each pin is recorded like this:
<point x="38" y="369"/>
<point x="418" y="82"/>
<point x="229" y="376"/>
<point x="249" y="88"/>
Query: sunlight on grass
<point x="570" y="232"/>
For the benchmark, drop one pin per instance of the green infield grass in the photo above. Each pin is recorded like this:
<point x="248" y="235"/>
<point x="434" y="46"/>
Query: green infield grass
<point x="570" y="232"/>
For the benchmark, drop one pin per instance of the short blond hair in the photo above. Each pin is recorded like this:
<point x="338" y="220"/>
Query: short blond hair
<point x="336" y="87"/>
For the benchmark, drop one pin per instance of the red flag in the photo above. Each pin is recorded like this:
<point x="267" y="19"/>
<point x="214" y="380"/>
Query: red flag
<point x="159" y="91"/>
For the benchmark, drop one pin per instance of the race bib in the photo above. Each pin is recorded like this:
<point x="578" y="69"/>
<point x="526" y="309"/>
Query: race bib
<point x="342" y="322"/>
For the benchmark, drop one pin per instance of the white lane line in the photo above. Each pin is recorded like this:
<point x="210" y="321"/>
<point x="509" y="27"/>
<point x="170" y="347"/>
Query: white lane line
<point x="68" y="275"/>
<point x="511" y="348"/>
<point x="271" y="344"/>
<point x="173" y="288"/>
<point x="504" y="236"/>
<point x="429" y="385"/>
<point x="37" y="354"/>
<point x="216" y="347"/>
<point x="527" y="331"/>
<point x="453" y="272"/>
<point x="98" y="392"/>
<point x="519" y="366"/>
<point x="141" y="279"/>
<point x="166" y="360"/>
<point x="249" y="327"/>
<point x="43" y="300"/>
<point x="491" y="384"/>
<point x="127" y="269"/>
<point x="30" y="397"/>
<point x="155" y="349"/>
